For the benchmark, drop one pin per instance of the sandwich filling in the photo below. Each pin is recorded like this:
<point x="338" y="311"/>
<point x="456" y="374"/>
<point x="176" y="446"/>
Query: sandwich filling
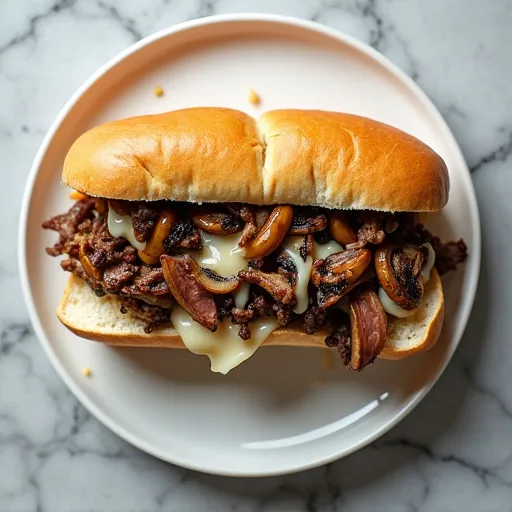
<point x="227" y="275"/>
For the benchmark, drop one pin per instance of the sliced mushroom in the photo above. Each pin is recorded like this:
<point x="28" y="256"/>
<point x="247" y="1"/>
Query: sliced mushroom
<point x="217" y="223"/>
<point x="329" y="294"/>
<point x="399" y="273"/>
<point x="155" y="246"/>
<point x="271" y="234"/>
<point x="150" y="286"/>
<point x="212" y="281"/>
<point x="188" y="291"/>
<point x="275" y="284"/>
<point x="340" y="228"/>
<point x="345" y="267"/>
<point x="368" y="328"/>
<point x="303" y="224"/>
<point x="89" y="268"/>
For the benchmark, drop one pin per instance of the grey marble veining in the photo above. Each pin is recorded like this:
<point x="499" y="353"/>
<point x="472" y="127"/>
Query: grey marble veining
<point x="453" y="453"/>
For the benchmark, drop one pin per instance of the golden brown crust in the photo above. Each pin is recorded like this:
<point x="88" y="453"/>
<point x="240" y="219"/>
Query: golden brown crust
<point x="196" y="154"/>
<point x="342" y="160"/>
<point x="312" y="157"/>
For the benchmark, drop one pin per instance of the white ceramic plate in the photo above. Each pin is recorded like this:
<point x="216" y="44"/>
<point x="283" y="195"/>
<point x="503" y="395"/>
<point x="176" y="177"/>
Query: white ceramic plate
<point x="286" y="409"/>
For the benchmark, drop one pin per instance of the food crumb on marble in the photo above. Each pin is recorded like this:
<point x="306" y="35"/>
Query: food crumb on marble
<point x="253" y="96"/>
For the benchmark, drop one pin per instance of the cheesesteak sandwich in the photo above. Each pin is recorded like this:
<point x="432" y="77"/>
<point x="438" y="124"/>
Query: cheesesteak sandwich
<point x="207" y="229"/>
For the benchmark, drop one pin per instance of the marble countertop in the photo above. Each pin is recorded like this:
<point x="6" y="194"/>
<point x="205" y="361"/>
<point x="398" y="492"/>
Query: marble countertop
<point x="453" y="453"/>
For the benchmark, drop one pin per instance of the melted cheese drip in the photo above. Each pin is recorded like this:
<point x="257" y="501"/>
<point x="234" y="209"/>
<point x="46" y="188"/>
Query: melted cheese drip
<point x="122" y="226"/>
<point x="292" y="245"/>
<point x="220" y="254"/>
<point x="322" y="251"/>
<point x="224" y="347"/>
<point x="241" y="295"/>
<point x="390" y="307"/>
<point x="425" y="273"/>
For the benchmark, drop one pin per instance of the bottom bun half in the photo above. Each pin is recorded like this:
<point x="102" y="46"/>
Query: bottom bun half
<point x="100" y="319"/>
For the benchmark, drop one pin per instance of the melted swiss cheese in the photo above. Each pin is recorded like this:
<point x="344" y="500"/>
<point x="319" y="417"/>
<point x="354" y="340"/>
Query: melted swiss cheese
<point x="322" y="251"/>
<point x="122" y="226"/>
<point x="224" y="347"/>
<point x="292" y="245"/>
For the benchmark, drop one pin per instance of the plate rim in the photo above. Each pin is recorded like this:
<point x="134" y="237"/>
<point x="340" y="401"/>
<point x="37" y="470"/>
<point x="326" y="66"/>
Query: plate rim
<point x="307" y="25"/>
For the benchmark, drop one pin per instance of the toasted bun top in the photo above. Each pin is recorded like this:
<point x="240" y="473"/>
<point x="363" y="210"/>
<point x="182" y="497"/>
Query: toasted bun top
<point x="303" y="157"/>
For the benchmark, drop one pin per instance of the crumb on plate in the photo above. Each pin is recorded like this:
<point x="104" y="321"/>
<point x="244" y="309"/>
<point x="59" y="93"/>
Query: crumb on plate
<point x="254" y="98"/>
<point x="158" y="91"/>
<point x="86" y="371"/>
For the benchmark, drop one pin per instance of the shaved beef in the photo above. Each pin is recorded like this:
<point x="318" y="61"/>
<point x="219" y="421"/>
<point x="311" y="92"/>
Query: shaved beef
<point x="246" y="213"/>
<point x="144" y="219"/>
<point x="242" y="316"/>
<point x="340" y="338"/>
<point x="184" y="235"/>
<point x="273" y="283"/>
<point x="286" y="267"/>
<point x="371" y="231"/>
<point x="265" y="306"/>
<point x="244" y="332"/>
<point x="150" y="315"/>
<point x="306" y="248"/>
<point x="225" y="305"/>
<point x="66" y="224"/>
<point x="116" y="276"/>
<point x="74" y="266"/>
<point x="150" y="286"/>
<point x="144" y="216"/>
<point x="103" y="249"/>
<point x="314" y="319"/>
<point x="448" y="255"/>
<point x="144" y="291"/>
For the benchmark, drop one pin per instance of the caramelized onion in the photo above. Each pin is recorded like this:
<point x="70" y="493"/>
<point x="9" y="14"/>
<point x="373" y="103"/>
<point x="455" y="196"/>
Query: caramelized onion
<point x="90" y="269"/>
<point x="340" y="228"/>
<point x="345" y="266"/>
<point x="198" y="302"/>
<point x="401" y="281"/>
<point x="271" y="234"/>
<point x="368" y="328"/>
<point x="217" y="223"/>
<point x="155" y="245"/>
<point x="212" y="281"/>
